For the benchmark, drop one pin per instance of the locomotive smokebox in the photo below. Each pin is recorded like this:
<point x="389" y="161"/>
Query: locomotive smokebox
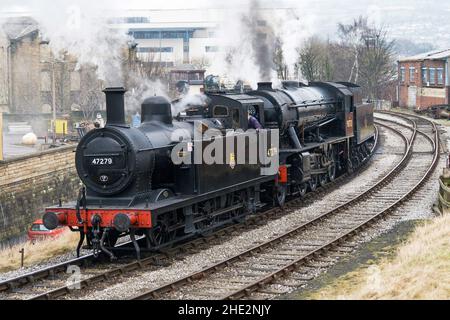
<point x="115" y="106"/>
<point x="265" y="86"/>
<point x="157" y="109"/>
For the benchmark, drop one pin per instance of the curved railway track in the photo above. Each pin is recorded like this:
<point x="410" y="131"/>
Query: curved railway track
<point x="52" y="282"/>
<point x="259" y="271"/>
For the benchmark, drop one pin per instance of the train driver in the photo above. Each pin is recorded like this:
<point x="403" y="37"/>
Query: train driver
<point x="253" y="122"/>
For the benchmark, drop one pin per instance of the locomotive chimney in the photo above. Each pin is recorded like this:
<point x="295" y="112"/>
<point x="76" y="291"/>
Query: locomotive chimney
<point x="115" y="106"/>
<point x="157" y="109"/>
<point x="265" y="86"/>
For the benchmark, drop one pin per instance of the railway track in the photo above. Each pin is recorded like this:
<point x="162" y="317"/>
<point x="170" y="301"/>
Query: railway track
<point x="52" y="282"/>
<point x="271" y="268"/>
<point x="92" y="276"/>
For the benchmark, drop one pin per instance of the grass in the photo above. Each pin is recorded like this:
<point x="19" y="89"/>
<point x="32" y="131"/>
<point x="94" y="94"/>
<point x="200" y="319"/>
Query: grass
<point x="37" y="252"/>
<point x="420" y="269"/>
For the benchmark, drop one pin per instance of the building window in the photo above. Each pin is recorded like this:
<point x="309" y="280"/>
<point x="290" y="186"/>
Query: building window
<point x="75" y="81"/>
<point x="178" y="34"/>
<point x="424" y="76"/>
<point x="154" y="49"/>
<point x="432" y="76"/>
<point x="211" y="49"/>
<point x="412" y="74"/>
<point x="46" y="81"/>
<point x="440" y="75"/>
<point x="402" y="74"/>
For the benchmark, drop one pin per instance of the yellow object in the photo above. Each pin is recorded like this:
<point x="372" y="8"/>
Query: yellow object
<point x="1" y="136"/>
<point x="61" y="127"/>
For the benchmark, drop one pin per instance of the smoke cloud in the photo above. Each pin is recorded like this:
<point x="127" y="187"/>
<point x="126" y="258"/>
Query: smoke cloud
<point x="248" y="34"/>
<point x="80" y="29"/>
<point x="261" y="40"/>
<point x="141" y="89"/>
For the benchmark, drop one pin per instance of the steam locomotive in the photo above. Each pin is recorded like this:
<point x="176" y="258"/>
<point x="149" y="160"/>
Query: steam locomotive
<point x="134" y="186"/>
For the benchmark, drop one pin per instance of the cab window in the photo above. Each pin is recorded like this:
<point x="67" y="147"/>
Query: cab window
<point x="220" y="111"/>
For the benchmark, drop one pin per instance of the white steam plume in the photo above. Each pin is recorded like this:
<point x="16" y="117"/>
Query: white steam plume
<point x="80" y="28"/>
<point x="141" y="89"/>
<point x="243" y="56"/>
<point x="189" y="100"/>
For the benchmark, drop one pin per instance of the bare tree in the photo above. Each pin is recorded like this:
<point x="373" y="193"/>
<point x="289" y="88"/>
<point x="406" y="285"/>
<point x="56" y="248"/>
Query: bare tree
<point x="201" y="63"/>
<point x="314" y="60"/>
<point x="369" y="52"/>
<point x="91" y="97"/>
<point x="278" y="60"/>
<point x="377" y="62"/>
<point x="150" y="68"/>
<point x="352" y="34"/>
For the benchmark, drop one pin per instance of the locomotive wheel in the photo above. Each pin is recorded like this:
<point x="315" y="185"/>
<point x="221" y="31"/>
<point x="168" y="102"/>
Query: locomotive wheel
<point x="323" y="180"/>
<point x="332" y="172"/>
<point x="313" y="183"/>
<point x="280" y="196"/>
<point x="302" y="189"/>
<point x="161" y="233"/>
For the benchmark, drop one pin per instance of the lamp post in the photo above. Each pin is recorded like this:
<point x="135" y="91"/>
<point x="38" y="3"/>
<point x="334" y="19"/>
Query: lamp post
<point x="53" y="102"/>
<point x="52" y="64"/>
<point x="1" y="136"/>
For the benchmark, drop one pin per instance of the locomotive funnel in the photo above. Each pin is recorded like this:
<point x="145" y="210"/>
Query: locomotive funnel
<point x="115" y="106"/>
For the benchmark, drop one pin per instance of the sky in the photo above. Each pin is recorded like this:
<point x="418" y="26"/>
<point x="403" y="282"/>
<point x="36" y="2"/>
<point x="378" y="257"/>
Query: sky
<point x="415" y="20"/>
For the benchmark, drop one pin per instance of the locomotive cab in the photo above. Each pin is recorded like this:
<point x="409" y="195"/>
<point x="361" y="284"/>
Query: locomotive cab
<point x="234" y="109"/>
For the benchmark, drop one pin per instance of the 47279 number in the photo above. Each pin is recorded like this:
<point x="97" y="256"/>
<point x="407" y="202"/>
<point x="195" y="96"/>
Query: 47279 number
<point x="102" y="161"/>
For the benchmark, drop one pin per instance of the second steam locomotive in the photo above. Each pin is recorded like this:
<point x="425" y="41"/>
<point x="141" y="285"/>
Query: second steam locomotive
<point x="133" y="186"/>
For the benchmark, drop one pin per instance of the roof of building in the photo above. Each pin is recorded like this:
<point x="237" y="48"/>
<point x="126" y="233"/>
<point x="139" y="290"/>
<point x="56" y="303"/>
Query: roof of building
<point x="17" y="28"/>
<point x="432" y="55"/>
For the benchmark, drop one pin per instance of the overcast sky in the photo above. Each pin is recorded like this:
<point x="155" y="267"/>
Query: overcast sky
<point x="416" y="20"/>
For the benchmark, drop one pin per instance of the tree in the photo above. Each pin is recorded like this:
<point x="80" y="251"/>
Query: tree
<point x="314" y="60"/>
<point x="377" y="67"/>
<point x="201" y="63"/>
<point x="278" y="60"/>
<point x="91" y="96"/>
<point x="351" y="34"/>
<point x="370" y="53"/>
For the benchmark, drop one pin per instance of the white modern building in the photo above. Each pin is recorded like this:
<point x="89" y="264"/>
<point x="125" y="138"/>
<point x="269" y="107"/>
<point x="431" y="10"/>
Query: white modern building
<point x="172" y="37"/>
<point x="181" y="36"/>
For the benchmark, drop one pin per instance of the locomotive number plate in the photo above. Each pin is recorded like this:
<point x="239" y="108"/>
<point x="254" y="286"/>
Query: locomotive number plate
<point x="102" y="161"/>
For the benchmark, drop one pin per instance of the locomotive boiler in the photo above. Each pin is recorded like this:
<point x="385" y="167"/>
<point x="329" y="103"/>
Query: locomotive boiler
<point x="133" y="186"/>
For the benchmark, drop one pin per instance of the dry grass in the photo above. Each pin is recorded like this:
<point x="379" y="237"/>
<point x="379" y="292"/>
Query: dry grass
<point x="420" y="270"/>
<point x="38" y="252"/>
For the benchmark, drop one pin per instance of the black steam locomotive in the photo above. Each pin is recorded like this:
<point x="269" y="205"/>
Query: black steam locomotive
<point x="133" y="186"/>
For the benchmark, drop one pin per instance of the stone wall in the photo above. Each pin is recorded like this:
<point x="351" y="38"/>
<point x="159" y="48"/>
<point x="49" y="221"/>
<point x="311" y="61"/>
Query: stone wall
<point x="31" y="183"/>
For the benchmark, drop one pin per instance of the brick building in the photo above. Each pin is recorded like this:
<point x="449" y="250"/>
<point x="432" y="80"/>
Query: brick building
<point x="28" y="70"/>
<point x="423" y="80"/>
